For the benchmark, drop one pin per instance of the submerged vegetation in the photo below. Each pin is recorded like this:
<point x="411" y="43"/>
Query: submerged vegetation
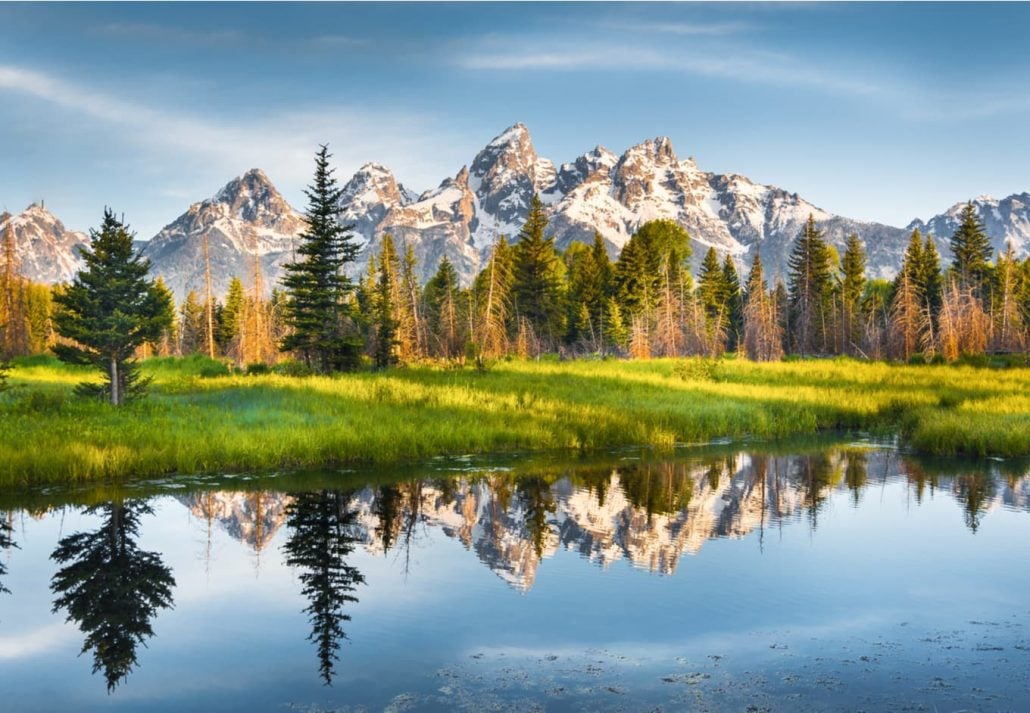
<point x="199" y="418"/>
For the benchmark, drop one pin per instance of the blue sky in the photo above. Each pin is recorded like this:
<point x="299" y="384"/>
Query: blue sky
<point x="879" y="112"/>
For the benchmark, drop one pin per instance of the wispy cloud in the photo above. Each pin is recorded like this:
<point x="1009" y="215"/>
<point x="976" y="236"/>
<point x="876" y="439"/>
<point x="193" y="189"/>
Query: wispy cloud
<point x="910" y="100"/>
<point x="698" y="29"/>
<point x="737" y="65"/>
<point x="173" y="147"/>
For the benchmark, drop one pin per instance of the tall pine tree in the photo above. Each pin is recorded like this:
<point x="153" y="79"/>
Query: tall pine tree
<point x="538" y="284"/>
<point x="971" y="251"/>
<point x="809" y="283"/>
<point x="318" y="310"/>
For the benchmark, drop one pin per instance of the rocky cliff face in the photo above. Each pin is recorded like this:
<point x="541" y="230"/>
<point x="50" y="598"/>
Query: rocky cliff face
<point x="45" y="251"/>
<point x="246" y="222"/>
<point x="463" y="217"/>
<point x="1006" y="220"/>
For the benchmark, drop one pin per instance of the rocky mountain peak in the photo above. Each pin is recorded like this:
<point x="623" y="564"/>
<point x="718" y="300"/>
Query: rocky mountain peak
<point x="46" y="250"/>
<point x="373" y="184"/>
<point x="252" y="197"/>
<point x="507" y="172"/>
<point x="574" y="173"/>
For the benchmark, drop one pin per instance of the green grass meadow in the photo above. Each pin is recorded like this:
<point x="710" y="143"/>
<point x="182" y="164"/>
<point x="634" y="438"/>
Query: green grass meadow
<point x="195" y="420"/>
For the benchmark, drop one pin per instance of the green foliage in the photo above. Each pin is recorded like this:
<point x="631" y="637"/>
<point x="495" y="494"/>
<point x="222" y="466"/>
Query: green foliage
<point x="971" y="252"/>
<point x="109" y="310"/>
<point x="809" y="283"/>
<point x="232" y="313"/>
<point x="384" y="310"/>
<point x="538" y="285"/>
<point x="317" y="306"/>
<point x="639" y="270"/>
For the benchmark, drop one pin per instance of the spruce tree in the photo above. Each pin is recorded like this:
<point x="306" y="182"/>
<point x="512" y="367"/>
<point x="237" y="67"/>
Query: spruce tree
<point x="110" y="309"/>
<point x="317" y="306"/>
<point x="809" y="283"/>
<point x="931" y="281"/>
<point x="232" y="314"/>
<point x="734" y="303"/>
<point x="638" y="272"/>
<point x="191" y="325"/>
<point x="441" y="298"/>
<point x="971" y="251"/>
<point x="537" y="288"/>
<point x="852" y="285"/>
<point x="710" y="286"/>
<point x="384" y="319"/>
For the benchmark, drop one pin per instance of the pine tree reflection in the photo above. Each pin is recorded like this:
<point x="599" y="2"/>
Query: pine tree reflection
<point x="110" y="588"/>
<point x="6" y="543"/>
<point x="319" y="543"/>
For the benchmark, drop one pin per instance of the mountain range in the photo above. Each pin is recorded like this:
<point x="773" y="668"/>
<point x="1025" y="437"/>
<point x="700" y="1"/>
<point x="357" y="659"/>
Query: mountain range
<point x="248" y="221"/>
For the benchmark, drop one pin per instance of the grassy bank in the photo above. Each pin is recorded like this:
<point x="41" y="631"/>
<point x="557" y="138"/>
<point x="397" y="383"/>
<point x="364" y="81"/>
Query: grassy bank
<point x="191" y="423"/>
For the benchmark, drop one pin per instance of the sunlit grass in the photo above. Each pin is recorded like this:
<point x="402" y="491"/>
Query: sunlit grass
<point x="192" y="423"/>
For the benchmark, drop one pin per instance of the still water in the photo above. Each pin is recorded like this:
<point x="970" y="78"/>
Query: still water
<point x="831" y="576"/>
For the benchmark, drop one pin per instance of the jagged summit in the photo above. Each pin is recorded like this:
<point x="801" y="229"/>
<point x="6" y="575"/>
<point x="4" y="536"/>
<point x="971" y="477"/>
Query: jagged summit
<point x="46" y="251"/>
<point x="463" y="217"/>
<point x="247" y="217"/>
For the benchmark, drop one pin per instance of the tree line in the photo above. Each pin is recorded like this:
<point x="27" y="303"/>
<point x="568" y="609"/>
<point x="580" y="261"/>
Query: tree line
<point x="529" y="298"/>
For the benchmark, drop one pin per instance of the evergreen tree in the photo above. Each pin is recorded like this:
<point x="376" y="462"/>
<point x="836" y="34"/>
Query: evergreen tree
<point x="191" y="325"/>
<point x="441" y="299"/>
<point x="931" y="282"/>
<point x="317" y="307"/>
<point x="853" y="267"/>
<point x="971" y="251"/>
<point x="762" y="333"/>
<point x="711" y="288"/>
<point x="232" y="317"/>
<point x="384" y="319"/>
<point x="616" y="333"/>
<point x="166" y="343"/>
<point x="734" y="303"/>
<point x="413" y="327"/>
<point x="110" y="588"/>
<point x="109" y="310"/>
<point x="537" y="288"/>
<point x="638" y="272"/>
<point x="809" y="266"/>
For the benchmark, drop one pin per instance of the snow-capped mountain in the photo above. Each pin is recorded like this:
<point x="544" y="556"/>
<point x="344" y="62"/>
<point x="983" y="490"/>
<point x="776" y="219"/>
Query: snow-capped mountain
<point x="462" y="218"/>
<point x="247" y="219"/>
<point x="613" y="195"/>
<point x="1006" y="220"/>
<point x="45" y="250"/>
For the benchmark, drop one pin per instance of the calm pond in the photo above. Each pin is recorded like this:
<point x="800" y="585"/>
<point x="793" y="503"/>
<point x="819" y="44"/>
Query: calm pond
<point x="825" y="576"/>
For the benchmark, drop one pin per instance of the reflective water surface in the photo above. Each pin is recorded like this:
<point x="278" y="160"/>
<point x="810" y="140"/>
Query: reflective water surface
<point x="827" y="576"/>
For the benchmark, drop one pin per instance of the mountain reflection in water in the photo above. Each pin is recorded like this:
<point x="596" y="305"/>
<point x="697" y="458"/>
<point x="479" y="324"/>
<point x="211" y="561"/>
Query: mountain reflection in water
<point x="647" y="514"/>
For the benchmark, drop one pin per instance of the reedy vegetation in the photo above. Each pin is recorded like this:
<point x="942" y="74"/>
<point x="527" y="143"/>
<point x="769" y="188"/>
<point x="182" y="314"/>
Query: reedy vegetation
<point x="231" y="423"/>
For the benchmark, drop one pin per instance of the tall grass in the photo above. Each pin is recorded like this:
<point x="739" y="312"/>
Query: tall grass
<point x="196" y="423"/>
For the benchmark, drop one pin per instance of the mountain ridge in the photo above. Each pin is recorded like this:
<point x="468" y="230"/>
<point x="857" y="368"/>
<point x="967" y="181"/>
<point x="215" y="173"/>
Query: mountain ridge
<point x="248" y="220"/>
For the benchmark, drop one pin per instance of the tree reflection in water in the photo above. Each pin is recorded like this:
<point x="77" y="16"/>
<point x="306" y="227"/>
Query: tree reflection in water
<point x="110" y="588"/>
<point x="319" y="542"/>
<point x="6" y="543"/>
